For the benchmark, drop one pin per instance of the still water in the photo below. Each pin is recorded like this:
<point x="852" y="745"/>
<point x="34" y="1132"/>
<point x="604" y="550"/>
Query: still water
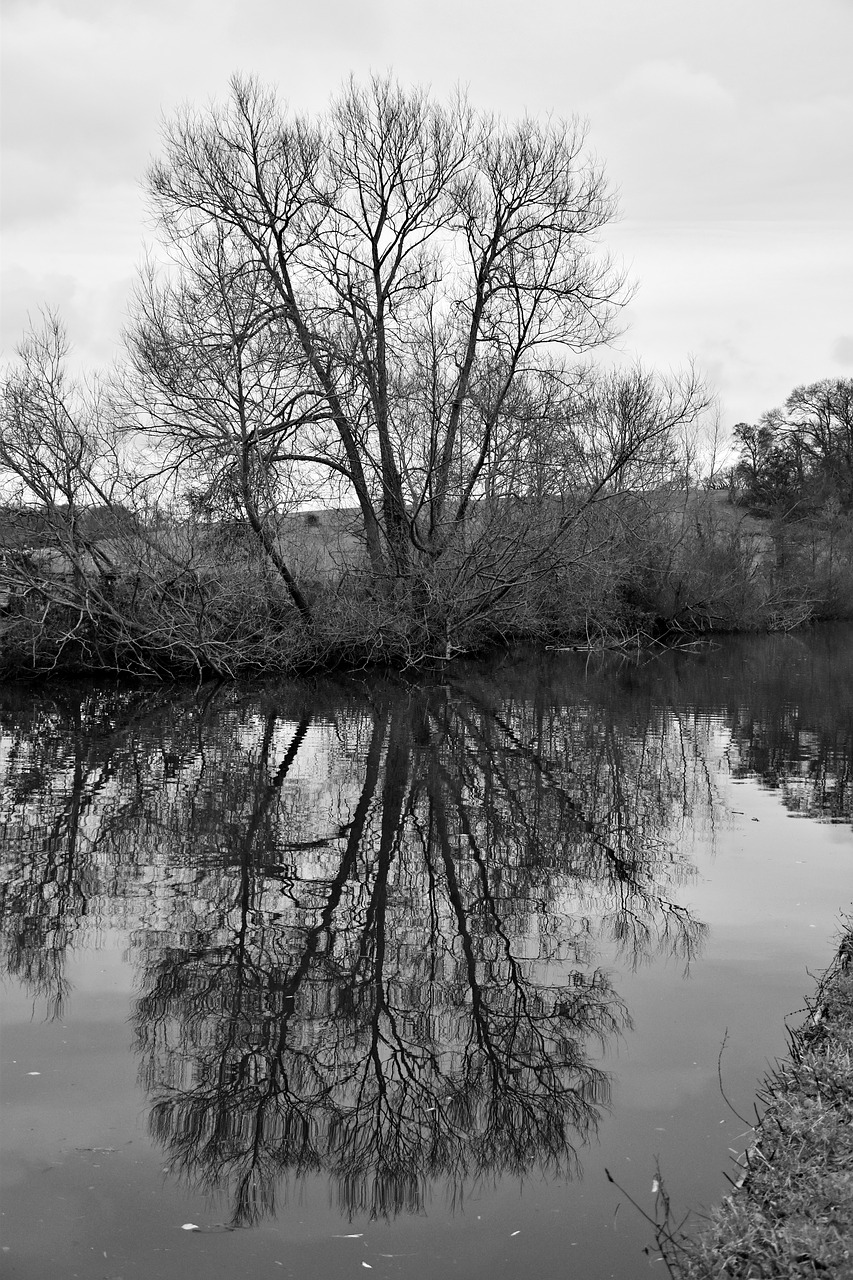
<point x="376" y="976"/>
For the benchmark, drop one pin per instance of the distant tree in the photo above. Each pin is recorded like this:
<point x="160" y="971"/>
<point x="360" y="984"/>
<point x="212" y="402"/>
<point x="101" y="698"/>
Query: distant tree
<point x="800" y="457"/>
<point x="819" y="427"/>
<point x="755" y="443"/>
<point x="766" y="469"/>
<point x="58" y="444"/>
<point x="65" y="476"/>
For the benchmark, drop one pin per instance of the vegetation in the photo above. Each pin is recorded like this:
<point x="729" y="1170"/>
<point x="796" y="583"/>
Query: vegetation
<point x="380" y="315"/>
<point x="791" y="1214"/>
<point x="799" y="459"/>
<point x="380" y="310"/>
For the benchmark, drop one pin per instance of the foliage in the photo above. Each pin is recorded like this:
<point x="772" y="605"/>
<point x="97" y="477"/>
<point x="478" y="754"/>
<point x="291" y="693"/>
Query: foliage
<point x="800" y="458"/>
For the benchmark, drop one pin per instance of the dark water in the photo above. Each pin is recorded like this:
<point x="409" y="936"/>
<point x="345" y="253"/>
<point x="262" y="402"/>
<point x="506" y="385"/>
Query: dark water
<point x="370" y="976"/>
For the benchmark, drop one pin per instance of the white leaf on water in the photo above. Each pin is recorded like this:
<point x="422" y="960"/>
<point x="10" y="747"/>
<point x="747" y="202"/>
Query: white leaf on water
<point x="367" y="1264"/>
<point x="33" y="1073"/>
<point x="356" y="1235"/>
<point x="189" y="1226"/>
<point x="655" y="1187"/>
<point x="515" y="1233"/>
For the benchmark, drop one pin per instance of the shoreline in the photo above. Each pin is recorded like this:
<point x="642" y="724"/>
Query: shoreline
<point x="790" y="1214"/>
<point x="337" y="663"/>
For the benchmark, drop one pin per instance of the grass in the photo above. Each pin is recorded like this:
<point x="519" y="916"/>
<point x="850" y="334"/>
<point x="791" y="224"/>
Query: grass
<point x="791" y="1212"/>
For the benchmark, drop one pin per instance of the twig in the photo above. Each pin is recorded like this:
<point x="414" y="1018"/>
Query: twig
<point x="730" y="1106"/>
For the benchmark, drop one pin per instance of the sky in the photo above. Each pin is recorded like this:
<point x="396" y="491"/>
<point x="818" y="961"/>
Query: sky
<point x="725" y="125"/>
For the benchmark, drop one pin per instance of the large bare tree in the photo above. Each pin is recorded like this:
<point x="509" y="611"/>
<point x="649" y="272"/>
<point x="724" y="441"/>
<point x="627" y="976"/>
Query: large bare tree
<point x="385" y="308"/>
<point x="384" y="301"/>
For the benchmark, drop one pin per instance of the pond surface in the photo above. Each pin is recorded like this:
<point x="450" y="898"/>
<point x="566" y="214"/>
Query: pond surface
<point x="364" y="975"/>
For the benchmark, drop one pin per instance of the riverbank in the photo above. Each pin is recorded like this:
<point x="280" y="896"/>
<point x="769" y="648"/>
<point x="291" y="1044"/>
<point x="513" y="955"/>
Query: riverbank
<point x="791" y="1213"/>
<point x="189" y="600"/>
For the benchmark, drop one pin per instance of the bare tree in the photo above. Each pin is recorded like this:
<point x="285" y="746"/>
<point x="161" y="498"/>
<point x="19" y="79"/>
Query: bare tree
<point x="65" y="479"/>
<point x="60" y="451"/>
<point x="96" y="571"/>
<point x="418" y="277"/>
<point x="223" y="391"/>
<point x="383" y="309"/>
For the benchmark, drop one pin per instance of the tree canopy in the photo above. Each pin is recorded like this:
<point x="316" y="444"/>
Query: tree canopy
<point x="800" y="457"/>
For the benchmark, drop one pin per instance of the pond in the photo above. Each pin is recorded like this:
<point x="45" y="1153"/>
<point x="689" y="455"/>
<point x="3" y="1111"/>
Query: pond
<point x="315" y="979"/>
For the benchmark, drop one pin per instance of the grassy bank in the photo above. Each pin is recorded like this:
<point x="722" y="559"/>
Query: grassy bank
<point x="791" y="1213"/>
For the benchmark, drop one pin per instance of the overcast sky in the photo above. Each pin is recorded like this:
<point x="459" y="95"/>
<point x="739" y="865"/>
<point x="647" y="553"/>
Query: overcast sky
<point x="726" y="125"/>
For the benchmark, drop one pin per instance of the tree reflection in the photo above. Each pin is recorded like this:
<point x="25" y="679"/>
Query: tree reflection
<point x="368" y="924"/>
<point x="421" y="1006"/>
<point x="60" y="757"/>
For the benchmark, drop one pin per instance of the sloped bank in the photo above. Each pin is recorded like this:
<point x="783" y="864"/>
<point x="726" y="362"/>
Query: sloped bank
<point x="791" y="1213"/>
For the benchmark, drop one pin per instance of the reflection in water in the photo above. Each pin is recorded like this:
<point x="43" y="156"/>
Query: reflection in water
<point x="368" y="923"/>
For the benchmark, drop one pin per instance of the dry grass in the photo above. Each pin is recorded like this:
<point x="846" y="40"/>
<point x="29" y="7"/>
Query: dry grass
<point x="791" y="1214"/>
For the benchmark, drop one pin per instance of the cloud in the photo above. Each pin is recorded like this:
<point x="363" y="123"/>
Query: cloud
<point x="84" y="113"/>
<point x="684" y="145"/>
<point x="842" y="350"/>
<point x="759" y="304"/>
<point x="718" y="122"/>
<point x="669" y="80"/>
<point x="34" y="192"/>
<point x="94" y="314"/>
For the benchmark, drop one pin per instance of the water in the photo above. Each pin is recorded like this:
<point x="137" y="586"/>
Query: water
<point x="365" y="975"/>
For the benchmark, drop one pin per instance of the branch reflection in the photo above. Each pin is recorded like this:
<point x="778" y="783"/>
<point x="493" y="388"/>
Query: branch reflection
<point x="416" y="1003"/>
<point x="371" y="927"/>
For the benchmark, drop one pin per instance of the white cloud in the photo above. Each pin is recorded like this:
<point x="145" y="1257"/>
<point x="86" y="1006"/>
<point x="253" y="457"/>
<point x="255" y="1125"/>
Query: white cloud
<point x="674" y="80"/>
<point x="94" y="315"/>
<point x="757" y="303"/>
<point x="842" y="350"/>
<point x="709" y="117"/>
